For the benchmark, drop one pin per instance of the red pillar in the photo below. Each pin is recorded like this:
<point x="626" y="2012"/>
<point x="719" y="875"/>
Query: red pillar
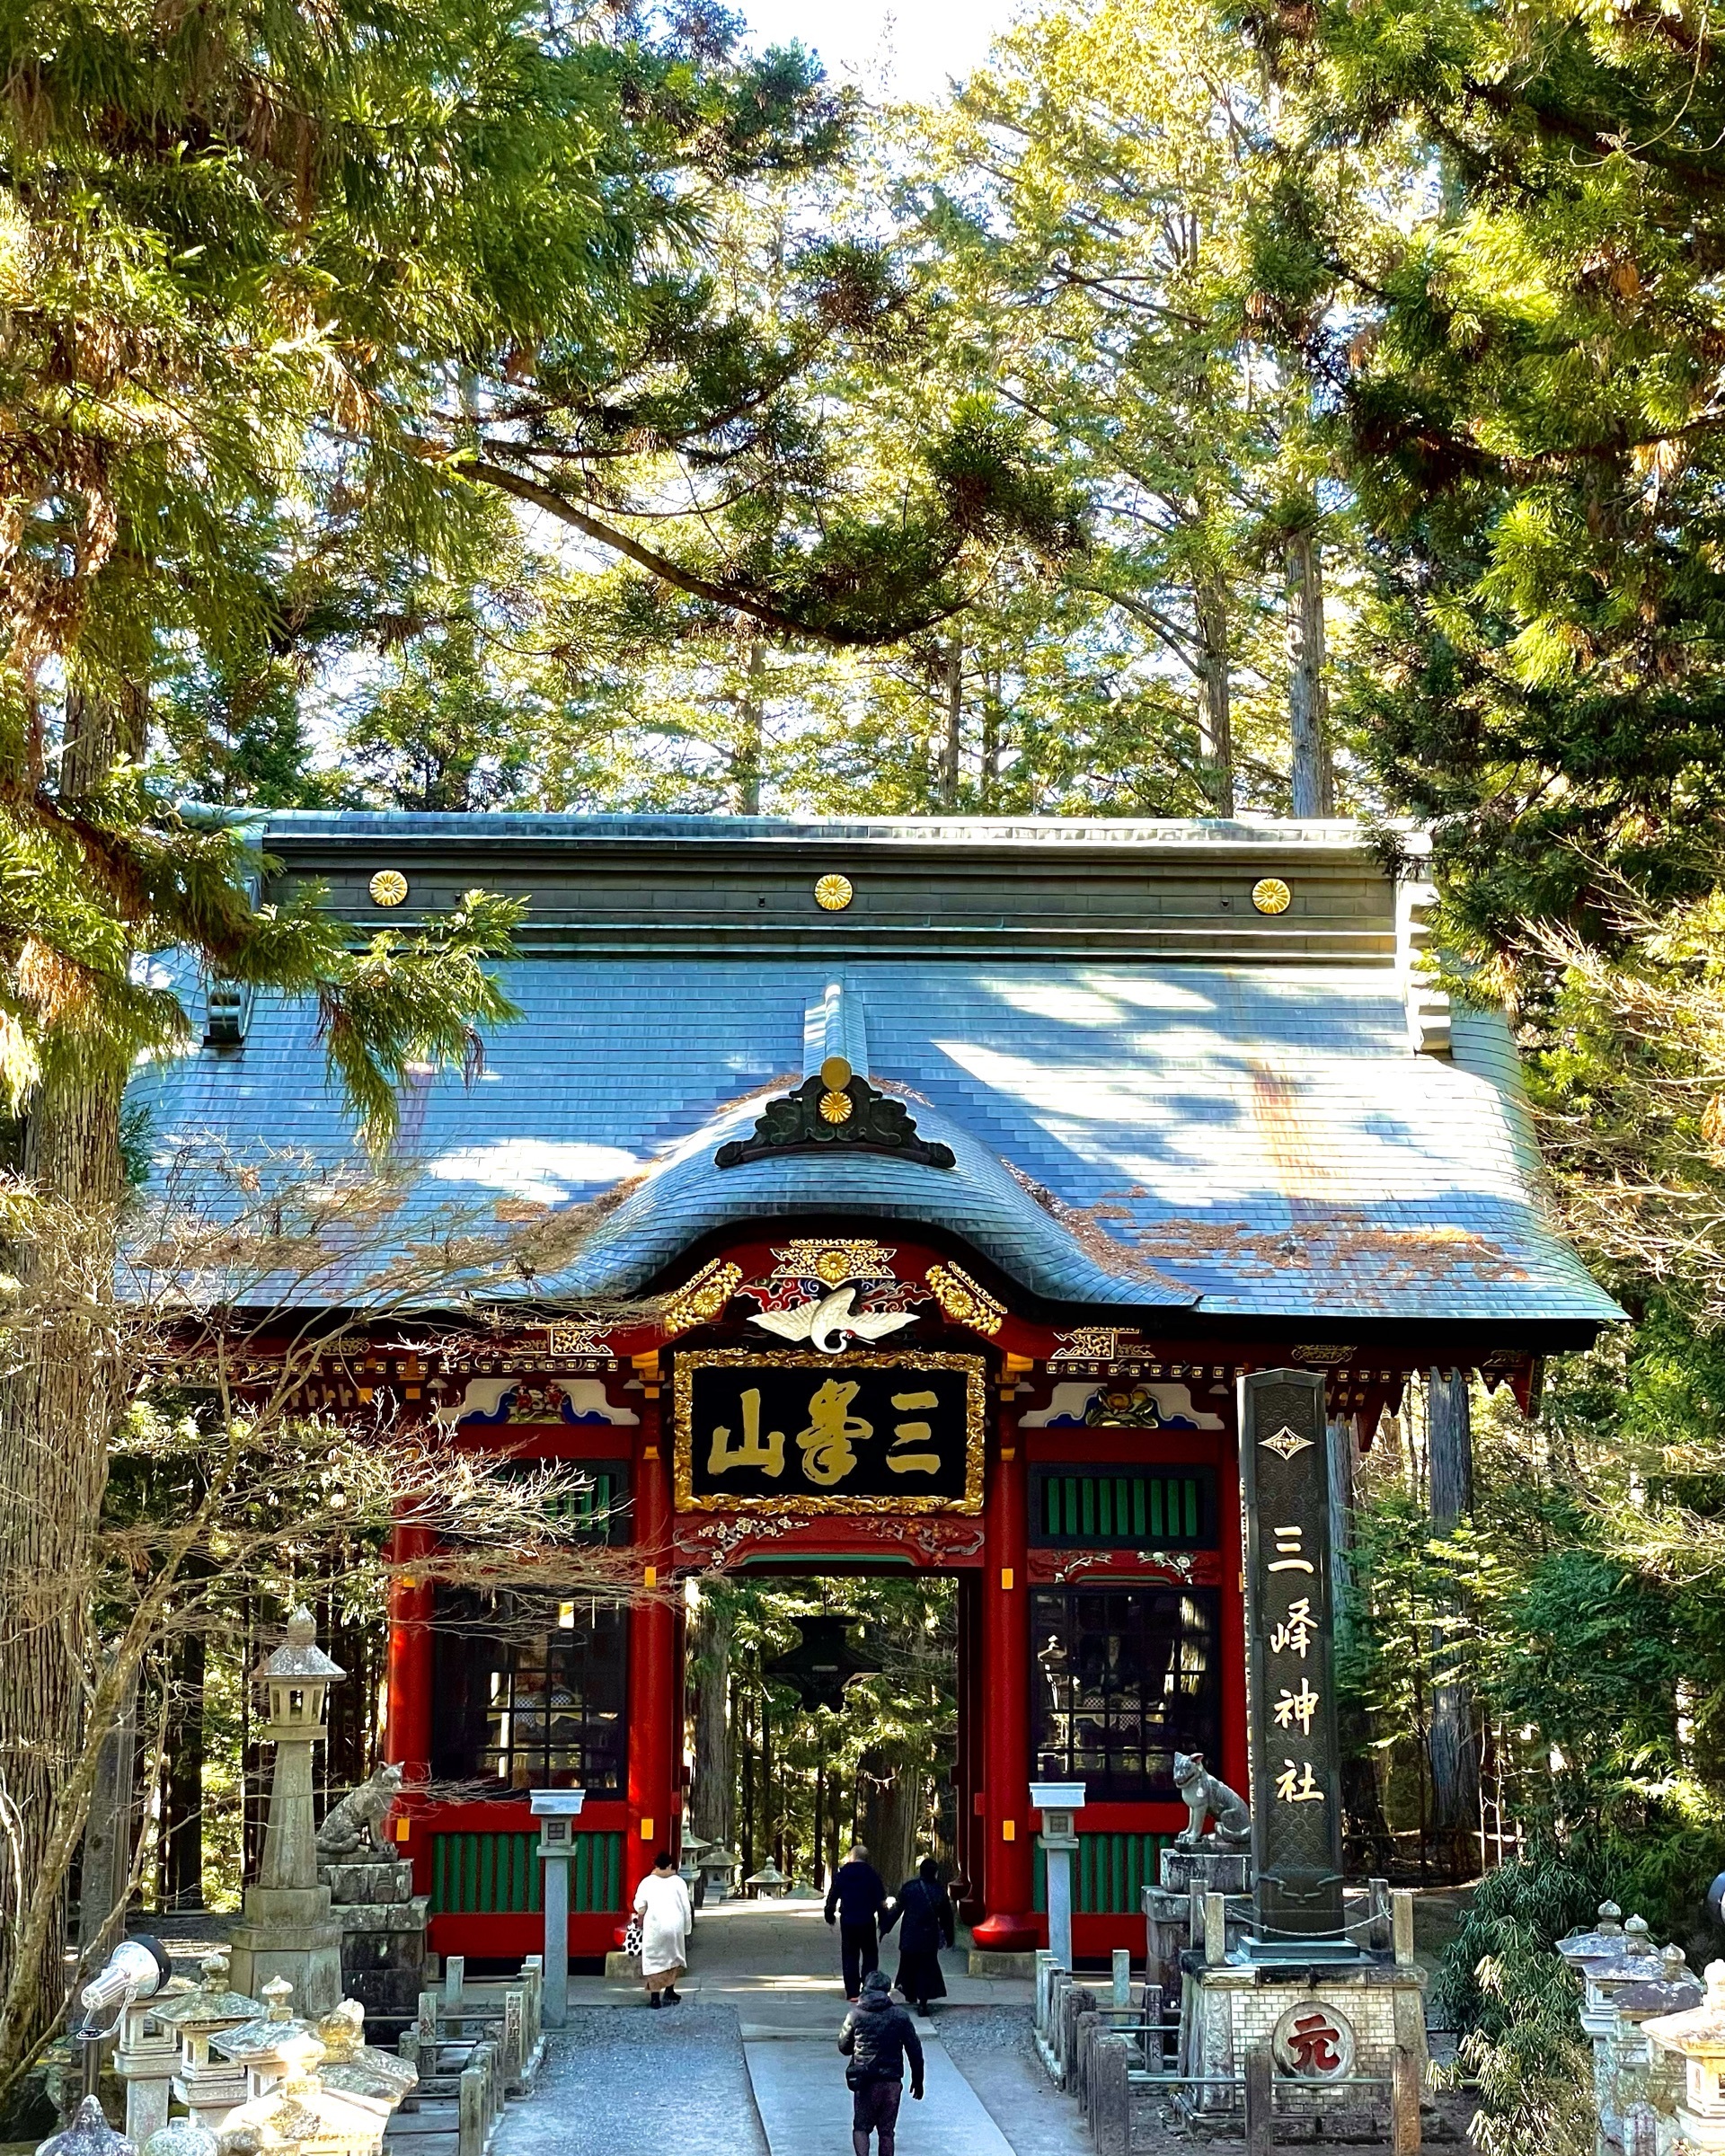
<point x="1231" y="1642"/>
<point x="653" y="1707"/>
<point x="1010" y="1926"/>
<point x="407" y="1730"/>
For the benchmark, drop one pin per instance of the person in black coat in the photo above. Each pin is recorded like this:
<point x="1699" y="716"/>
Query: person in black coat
<point x="877" y="2039"/>
<point x="923" y="1913"/>
<point x="856" y="1899"/>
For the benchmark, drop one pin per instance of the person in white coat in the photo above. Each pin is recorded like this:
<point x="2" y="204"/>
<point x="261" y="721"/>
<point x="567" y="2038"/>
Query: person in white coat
<point x="667" y="1918"/>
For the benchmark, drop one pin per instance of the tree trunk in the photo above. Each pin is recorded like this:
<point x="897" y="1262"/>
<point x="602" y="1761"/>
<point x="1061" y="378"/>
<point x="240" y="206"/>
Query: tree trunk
<point x="182" y="1784"/>
<point x="1453" y="1753"/>
<point x="745" y="765"/>
<point x="57" y="1407"/>
<point x="954" y="723"/>
<point x="892" y="1815"/>
<point x="746" y="1778"/>
<point x="714" y="1766"/>
<point x="1215" y="697"/>
<point x="1308" y="695"/>
<point x="1362" y="1802"/>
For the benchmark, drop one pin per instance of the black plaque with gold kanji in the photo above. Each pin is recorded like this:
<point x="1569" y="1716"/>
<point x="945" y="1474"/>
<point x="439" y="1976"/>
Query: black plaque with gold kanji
<point x="1296" y="1776"/>
<point x="797" y="1432"/>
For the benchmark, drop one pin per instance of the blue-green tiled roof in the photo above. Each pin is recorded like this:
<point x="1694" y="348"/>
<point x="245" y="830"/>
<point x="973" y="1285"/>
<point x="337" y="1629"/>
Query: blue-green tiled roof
<point x="1247" y="1140"/>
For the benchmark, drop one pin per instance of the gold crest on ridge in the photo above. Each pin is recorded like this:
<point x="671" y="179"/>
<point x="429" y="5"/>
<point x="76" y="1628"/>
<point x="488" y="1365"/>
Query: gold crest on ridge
<point x="1271" y="895"/>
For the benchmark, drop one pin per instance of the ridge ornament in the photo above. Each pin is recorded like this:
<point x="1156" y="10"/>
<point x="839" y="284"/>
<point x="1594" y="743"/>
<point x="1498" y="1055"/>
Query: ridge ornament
<point x="835" y="1109"/>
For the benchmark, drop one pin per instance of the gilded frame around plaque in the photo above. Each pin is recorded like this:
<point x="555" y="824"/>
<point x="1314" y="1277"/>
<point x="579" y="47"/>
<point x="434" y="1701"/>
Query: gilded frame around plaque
<point x="976" y="1424"/>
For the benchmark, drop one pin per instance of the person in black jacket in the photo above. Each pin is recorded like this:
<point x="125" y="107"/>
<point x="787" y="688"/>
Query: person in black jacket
<point x="877" y="2039"/>
<point x="858" y="1895"/>
<point x="923" y="1913"/>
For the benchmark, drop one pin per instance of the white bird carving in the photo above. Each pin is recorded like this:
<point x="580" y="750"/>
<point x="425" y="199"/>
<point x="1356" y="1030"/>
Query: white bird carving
<point x="817" y="1322"/>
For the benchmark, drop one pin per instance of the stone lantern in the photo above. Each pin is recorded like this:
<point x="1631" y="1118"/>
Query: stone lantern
<point x="351" y="2067"/>
<point x="209" y="2087"/>
<point x="768" y="1882"/>
<point x="1698" y="2037"/>
<point x="1618" y="1959"/>
<point x="1058" y="1801"/>
<point x="88" y="2134"/>
<point x="1606" y="1939"/>
<point x="302" y="2115"/>
<point x="719" y="1868"/>
<point x="258" y="2047"/>
<point x="286" y="1930"/>
<point x="1637" y="2072"/>
<point x="181" y="2137"/>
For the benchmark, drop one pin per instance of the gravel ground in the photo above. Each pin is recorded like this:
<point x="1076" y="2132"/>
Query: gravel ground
<point x="993" y="2047"/>
<point x="622" y="2082"/>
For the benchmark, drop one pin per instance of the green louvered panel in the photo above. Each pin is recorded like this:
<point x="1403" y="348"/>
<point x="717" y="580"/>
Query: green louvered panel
<point x="1124" y="1508"/>
<point x="1108" y="1873"/>
<point x="498" y="1875"/>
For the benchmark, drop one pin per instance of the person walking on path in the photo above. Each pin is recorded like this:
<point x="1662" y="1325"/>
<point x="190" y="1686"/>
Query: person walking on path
<point x="855" y="1899"/>
<point x="922" y="1911"/>
<point x="667" y="1918"/>
<point x="877" y="2039"/>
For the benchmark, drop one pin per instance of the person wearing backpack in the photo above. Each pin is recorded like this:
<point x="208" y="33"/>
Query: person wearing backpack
<point x="876" y="2039"/>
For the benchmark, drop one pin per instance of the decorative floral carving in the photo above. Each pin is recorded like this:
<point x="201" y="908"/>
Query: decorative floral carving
<point x="1090" y="1344"/>
<point x="701" y="1299"/>
<point x="964" y="1301"/>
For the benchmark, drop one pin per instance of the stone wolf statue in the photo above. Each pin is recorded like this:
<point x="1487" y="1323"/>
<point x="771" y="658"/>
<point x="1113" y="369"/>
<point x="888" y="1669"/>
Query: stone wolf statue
<point x="1206" y="1796"/>
<point x="350" y="1829"/>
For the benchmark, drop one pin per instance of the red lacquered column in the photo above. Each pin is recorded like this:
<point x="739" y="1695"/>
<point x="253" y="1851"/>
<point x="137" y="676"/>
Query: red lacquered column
<point x="1231" y="1642"/>
<point x="652" y="1660"/>
<point x="407" y="1728"/>
<point x="1010" y="1926"/>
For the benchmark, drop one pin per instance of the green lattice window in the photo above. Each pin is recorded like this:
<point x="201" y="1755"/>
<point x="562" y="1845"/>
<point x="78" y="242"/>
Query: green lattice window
<point x="498" y="1875"/>
<point x="599" y="1509"/>
<point x="1108" y="1873"/>
<point x="1124" y="1507"/>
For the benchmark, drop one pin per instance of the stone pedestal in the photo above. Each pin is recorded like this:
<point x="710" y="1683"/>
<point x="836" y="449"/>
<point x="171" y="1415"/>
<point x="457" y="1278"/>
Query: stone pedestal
<point x="288" y="1932"/>
<point x="1324" y="2022"/>
<point x="382" y="1925"/>
<point x="1168" y="1907"/>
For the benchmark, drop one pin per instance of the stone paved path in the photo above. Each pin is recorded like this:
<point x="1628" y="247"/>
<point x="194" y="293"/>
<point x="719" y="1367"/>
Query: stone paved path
<point x="773" y="1966"/>
<point x="639" y="2084"/>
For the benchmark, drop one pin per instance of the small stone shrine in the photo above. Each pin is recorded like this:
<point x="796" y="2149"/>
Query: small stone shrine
<point x="1694" y="2039"/>
<point x="286" y="1930"/>
<point x="209" y="2087"/>
<point x="372" y="1899"/>
<point x="1331" y="2009"/>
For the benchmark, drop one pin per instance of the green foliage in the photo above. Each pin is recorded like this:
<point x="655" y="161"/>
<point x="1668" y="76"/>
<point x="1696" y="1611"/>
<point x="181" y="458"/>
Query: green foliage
<point x="898" y="1728"/>
<point x="1519" y="363"/>
<point x="402" y="1000"/>
<point x="1514" y="2001"/>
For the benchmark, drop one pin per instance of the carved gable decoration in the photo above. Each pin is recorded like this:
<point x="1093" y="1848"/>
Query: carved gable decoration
<point x="835" y="1110"/>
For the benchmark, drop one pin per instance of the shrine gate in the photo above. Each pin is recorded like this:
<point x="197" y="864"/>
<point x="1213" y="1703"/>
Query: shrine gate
<point x="930" y="1185"/>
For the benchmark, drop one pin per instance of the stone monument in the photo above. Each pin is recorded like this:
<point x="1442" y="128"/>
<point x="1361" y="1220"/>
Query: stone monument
<point x="1297" y="1998"/>
<point x="372" y="1899"/>
<point x="286" y="1930"/>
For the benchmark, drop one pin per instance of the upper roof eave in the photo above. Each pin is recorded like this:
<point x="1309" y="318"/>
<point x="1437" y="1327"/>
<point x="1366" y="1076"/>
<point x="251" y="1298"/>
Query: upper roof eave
<point x="1334" y="838"/>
